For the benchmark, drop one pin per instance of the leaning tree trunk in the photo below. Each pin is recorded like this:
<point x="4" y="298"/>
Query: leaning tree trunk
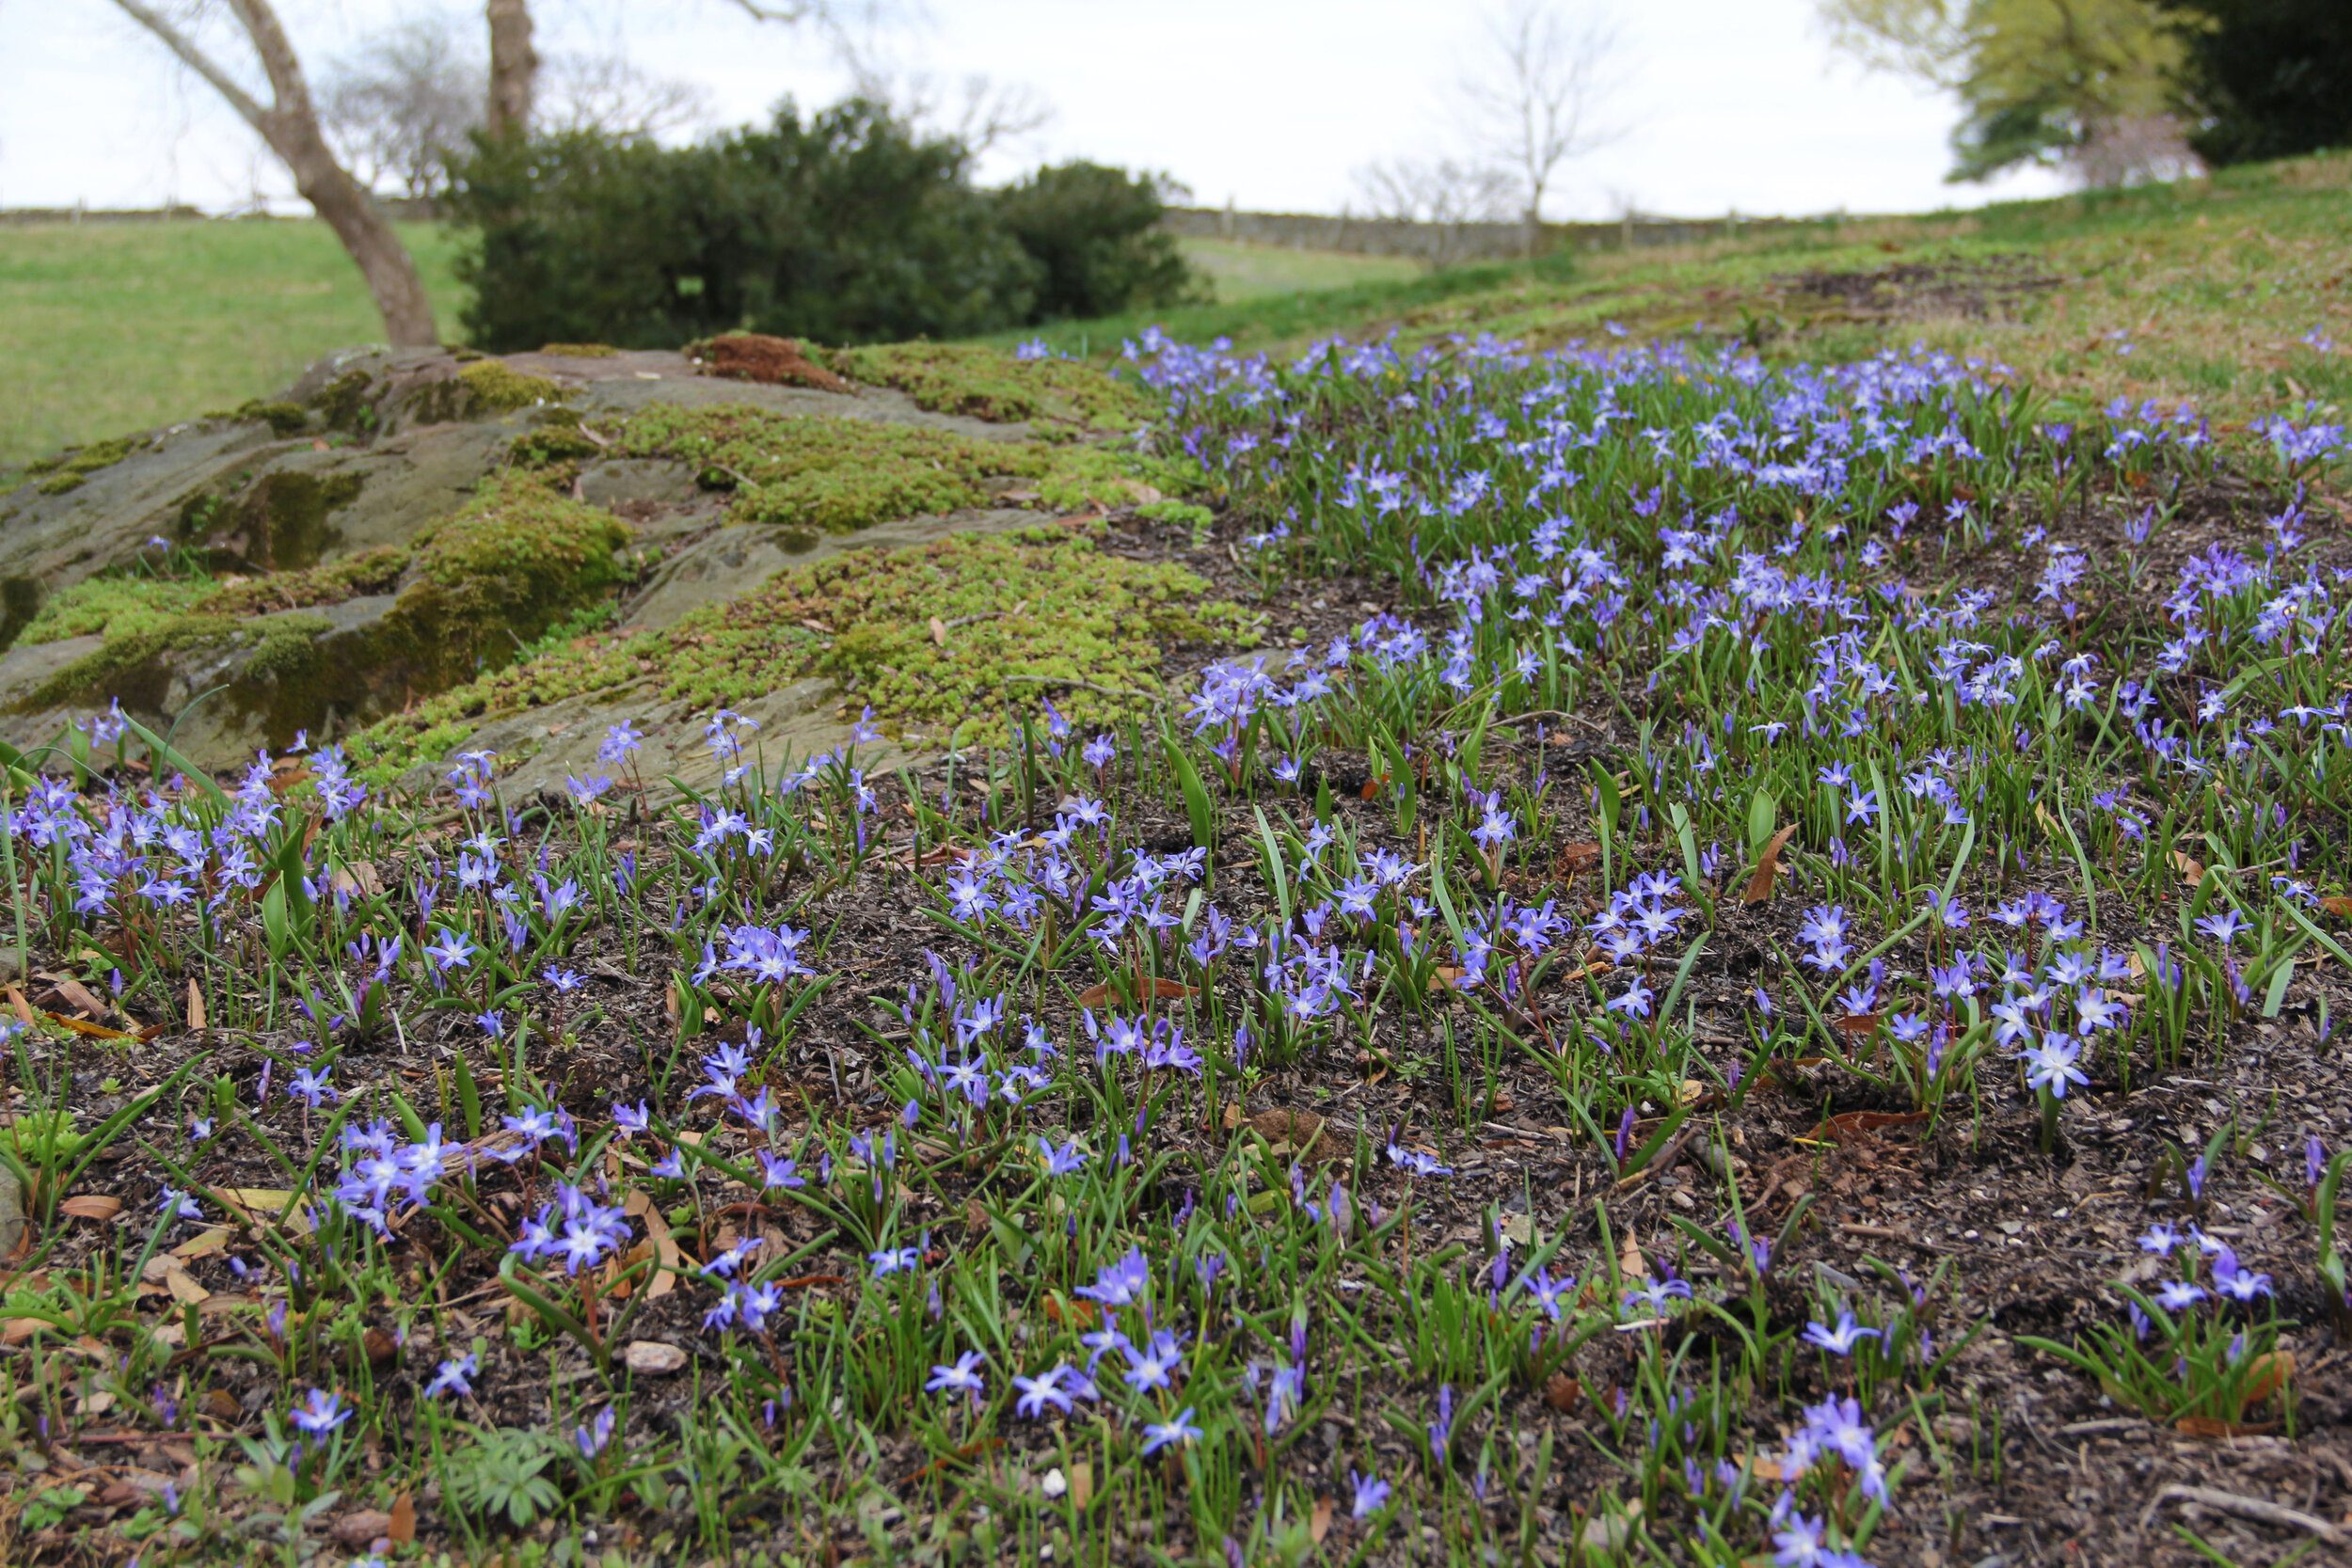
<point x="513" y="67"/>
<point x="290" y="124"/>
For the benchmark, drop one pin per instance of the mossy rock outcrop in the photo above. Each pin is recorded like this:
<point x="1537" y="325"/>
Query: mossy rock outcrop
<point x="327" y="647"/>
<point x="396" y="528"/>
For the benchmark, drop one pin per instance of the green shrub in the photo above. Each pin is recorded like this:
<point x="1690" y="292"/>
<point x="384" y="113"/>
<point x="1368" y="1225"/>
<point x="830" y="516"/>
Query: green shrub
<point x="844" y="226"/>
<point x="1095" y="231"/>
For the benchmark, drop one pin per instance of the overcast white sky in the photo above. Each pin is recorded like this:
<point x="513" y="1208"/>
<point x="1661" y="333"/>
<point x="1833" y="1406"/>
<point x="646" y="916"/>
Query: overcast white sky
<point x="1271" y="104"/>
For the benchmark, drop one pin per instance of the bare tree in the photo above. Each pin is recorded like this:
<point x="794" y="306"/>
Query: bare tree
<point x="606" y="92"/>
<point x="514" y="65"/>
<point x="399" y="103"/>
<point x="976" y="109"/>
<point x="289" y="123"/>
<point x="1541" y="95"/>
<point x="1442" y="194"/>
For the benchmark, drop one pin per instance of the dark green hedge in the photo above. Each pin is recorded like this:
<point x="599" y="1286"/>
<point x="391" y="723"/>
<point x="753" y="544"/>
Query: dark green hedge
<point x="843" y="227"/>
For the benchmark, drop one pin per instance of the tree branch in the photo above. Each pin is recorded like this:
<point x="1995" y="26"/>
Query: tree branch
<point x="198" y="62"/>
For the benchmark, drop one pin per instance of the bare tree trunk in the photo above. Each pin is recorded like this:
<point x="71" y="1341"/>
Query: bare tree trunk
<point x="290" y="124"/>
<point x="513" y="67"/>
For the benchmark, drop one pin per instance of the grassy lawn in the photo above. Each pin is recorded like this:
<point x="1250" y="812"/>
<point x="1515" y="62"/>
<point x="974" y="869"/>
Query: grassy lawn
<point x="1241" y="270"/>
<point x="113" y="327"/>
<point x="2205" y="290"/>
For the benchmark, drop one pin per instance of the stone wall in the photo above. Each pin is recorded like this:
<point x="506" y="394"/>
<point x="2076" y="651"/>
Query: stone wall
<point x="1445" y="243"/>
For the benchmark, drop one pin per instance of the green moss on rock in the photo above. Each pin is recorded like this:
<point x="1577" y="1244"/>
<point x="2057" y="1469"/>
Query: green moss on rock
<point x="375" y="571"/>
<point x="989" y="384"/>
<point x="115" y="607"/>
<point x="831" y="474"/>
<point x="475" y="588"/>
<point x="67" y="470"/>
<point x="495" y="389"/>
<point x="1022" y="615"/>
<point x="283" y="419"/>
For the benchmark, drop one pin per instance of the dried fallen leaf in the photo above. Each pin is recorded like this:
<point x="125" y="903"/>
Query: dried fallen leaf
<point x="2339" y="906"/>
<point x="1563" y="1393"/>
<point x="1319" y="1523"/>
<point x="939" y="631"/>
<point x="652" y="1358"/>
<point x="195" y="1005"/>
<point x="1095" y="996"/>
<point x="404" y="1526"/>
<point x="23" y="1009"/>
<point x="92" y="1206"/>
<point x="182" y="1285"/>
<point x="1630" y="1262"/>
<point x="1577" y="859"/>
<point x="665" y="1244"/>
<point x="78" y="997"/>
<point x="84" y="1026"/>
<point x="1081" y="1485"/>
<point x="1858" y="1027"/>
<point x="2210" y="1426"/>
<point x="2191" y="869"/>
<point x="1306" y="1134"/>
<point x="2270" y="1372"/>
<point x="203" y="1245"/>
<point x="1767" y="867"/>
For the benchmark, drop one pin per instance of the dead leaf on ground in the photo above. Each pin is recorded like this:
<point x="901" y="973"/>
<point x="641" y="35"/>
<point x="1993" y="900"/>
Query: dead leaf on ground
<point x="1855" y="1124"/>
<point x="1095" y="996"/>
<point x="195" y="1005"/>
<point x="2270" y="1372"/>
<point x="1307" y="1136"/>
<point x="1563" y="1393"/>
<point x="2211" y="1426"/>
<point x="939" y="631"/>
<point x="1081" y="1485"/>
<point x="92" y="1206"/>
<point x="1858" y="1027"/>
<point x="404" y="1526"/>
<point x="78" y="997"/>
<point x="23" y="1009"/>
<point x="1630" y="1262"/>
<point x="84" y="1026"/>
<point x="2191" y="869"/>
<point x="2339" y="906"/>
<point x="1319" y="1523"/>
<point x="182" y="1285"/>
<point x="1767" y="867"/>
<point x="1577" y="859"/>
